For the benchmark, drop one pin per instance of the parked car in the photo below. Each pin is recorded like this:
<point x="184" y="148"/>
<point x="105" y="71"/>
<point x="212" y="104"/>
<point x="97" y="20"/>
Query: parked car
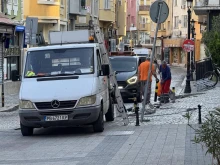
<point x="126" y="68"/>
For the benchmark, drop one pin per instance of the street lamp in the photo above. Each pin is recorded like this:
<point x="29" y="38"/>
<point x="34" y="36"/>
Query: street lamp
<point x="193" y="52"/>
<point x="162" y="54"/>
<point x="188" y="87"/>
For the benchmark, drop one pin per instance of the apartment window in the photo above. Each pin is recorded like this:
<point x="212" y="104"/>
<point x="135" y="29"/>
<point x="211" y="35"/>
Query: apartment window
<point x="159" y="27"/>
<point x="169" y="25"/>
<point x="9" y="1"/>
<point x="185" y="21"/>
<point x="83" y="4"/>
<point x="15" y="2"/>
<point x="175" y="2"/>
<point x="61" y="2"/>
<point x="176" y="22"/>
<point x="132" y="20"/>
<point x="107" y="4"/>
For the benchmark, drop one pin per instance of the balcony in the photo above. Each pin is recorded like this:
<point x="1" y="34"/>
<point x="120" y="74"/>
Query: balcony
<point x="144" y="8"/>
<point x="48" y="2"/>
<point x="76" y="8"/>
<point x="203" y="6"/>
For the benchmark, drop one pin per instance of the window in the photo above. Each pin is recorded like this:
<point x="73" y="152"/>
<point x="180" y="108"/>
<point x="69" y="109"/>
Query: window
<point x="15" y="2"/>
<point x="107" y="4"/>
<point x="176" y="22"/>
<point x="175" y="3"/>
<point x="9" y="1"/>
<point x="159" y="26"/>
<point x="185" y="21"/>
<point x="60" y="61"/>
<point x="83" y="4"/>
<point x="169" y="25"/>
<point x="121" y="64"/>
<point x="11" y="63"/>
<point x="61" y="2"/>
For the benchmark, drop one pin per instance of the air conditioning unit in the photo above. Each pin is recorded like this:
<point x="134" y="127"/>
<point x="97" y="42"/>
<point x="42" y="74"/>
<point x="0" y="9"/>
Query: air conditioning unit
<point x="183" y="6"/>
<point x="178" y="33"/>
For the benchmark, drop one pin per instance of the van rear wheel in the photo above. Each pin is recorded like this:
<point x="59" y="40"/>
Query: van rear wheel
<point x="98" y="126"/>
<point x="26" y="131"/>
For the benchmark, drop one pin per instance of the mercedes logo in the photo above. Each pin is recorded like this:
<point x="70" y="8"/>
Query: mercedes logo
<point x="55" y="104"/>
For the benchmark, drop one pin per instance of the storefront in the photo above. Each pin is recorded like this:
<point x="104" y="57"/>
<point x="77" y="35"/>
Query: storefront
<point x="12" y="52"/>
<point x="176" y="54"/>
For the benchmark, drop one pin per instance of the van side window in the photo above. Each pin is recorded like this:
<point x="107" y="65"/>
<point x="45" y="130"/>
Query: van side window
<point x="99" y="60"/>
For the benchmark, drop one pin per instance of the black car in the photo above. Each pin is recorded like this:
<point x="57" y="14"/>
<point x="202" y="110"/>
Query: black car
<point x="126" y="68"/>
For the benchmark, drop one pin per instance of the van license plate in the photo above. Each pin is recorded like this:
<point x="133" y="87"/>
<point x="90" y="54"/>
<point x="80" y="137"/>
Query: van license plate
<point x="56" y="118"/>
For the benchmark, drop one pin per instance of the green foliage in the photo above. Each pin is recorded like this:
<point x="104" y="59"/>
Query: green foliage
<point x="209" y="134"/>
<point x="212" y="40"/>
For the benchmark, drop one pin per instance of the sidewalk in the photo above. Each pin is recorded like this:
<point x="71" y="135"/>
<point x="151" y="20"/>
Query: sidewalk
<point x="168" y="144"/>
<point x="11" y="103"/>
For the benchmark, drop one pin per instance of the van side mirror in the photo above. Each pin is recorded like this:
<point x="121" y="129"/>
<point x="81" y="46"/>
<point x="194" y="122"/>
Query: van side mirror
<point x="105" y="69"/>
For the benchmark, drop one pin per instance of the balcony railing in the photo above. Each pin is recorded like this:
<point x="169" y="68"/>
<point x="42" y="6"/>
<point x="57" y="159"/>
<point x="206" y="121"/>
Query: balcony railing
<point x="144" y="8"/>
<point x="206" y="3"/>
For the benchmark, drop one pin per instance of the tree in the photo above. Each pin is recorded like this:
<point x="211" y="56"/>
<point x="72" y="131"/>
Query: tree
<point x="212" y="40"/>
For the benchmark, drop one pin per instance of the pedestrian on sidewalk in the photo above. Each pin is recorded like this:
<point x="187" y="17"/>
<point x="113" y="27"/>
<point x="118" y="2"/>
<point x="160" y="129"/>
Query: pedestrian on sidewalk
<point x="166" y="78"/>
<point x="143" y="75"/>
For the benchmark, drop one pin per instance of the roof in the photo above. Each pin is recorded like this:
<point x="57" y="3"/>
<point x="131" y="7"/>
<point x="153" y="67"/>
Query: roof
<point x="5" y="20"/>
<point x="112" y="57"/>
<point x="64" y="46"/>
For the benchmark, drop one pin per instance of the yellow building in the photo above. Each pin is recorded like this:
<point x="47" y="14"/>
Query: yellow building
<point x="52" y="15"/>
<point x="143" y="24"/>
<point x="112" y="18"/>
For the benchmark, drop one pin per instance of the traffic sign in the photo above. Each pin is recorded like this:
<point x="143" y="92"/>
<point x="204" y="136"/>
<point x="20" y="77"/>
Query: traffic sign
<point x="188" y="45"/>
<point x="154" y="11"/>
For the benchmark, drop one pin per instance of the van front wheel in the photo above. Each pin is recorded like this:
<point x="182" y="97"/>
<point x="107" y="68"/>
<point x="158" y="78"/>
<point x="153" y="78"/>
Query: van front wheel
<point x="26" y="131"/>
<point x="109" y="116"/>
<point x="98" y="126"/>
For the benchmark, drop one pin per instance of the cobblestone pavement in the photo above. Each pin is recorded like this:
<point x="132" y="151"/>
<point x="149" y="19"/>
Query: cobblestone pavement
<point x="165" y="140"/>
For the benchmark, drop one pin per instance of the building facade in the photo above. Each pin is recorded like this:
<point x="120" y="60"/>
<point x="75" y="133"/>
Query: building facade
<point x="180" y="33"/>
<point x="164" y="32"/>
<point x="131" y="17"/>
<point x="144" y="22"/>
<point x="52" y="15"/>
<point x="13" y="45"/>
<point x="82" y="19"/>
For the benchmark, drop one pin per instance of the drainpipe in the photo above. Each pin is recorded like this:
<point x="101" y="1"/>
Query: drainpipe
<point x="2" y="7"/>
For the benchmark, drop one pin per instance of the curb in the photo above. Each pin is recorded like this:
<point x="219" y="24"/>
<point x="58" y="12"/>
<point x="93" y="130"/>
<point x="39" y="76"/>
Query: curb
<point x="10" y="109"/>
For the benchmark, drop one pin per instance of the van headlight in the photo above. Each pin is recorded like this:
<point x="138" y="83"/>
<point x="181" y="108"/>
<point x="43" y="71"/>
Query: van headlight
<point x="25" y="104"/>
<point x="132" y="80"/>
<point x="89" y="100"/>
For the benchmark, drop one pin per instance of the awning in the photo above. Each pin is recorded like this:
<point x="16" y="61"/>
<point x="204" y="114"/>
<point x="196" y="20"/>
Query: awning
<point x="173" y="42"/>
<point x="5" y="20"/>
<point x="20" y="28"/>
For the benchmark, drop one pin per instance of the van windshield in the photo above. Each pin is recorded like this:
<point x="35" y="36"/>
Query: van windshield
<point x="56" y="62"/>
<point x="124" y="64"/>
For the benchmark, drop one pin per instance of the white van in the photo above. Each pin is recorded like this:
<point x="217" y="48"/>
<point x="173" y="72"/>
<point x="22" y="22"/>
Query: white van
<point x="65" y="85"/>
<point x="141" y="52"/>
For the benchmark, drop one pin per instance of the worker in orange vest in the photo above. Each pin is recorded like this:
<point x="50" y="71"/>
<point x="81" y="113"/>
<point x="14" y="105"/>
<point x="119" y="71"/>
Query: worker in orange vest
<point x="143" y="75"/>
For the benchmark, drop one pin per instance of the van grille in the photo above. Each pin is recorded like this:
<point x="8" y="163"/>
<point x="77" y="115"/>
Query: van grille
<point x="63" y="105"/>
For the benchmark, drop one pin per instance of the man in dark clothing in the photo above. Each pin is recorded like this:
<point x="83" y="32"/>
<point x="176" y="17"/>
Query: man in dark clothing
<point x="166" y="78"/>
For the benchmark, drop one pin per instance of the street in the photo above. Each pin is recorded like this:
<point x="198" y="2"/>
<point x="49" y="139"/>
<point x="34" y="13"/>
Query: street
<point x="164" y="140"/>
